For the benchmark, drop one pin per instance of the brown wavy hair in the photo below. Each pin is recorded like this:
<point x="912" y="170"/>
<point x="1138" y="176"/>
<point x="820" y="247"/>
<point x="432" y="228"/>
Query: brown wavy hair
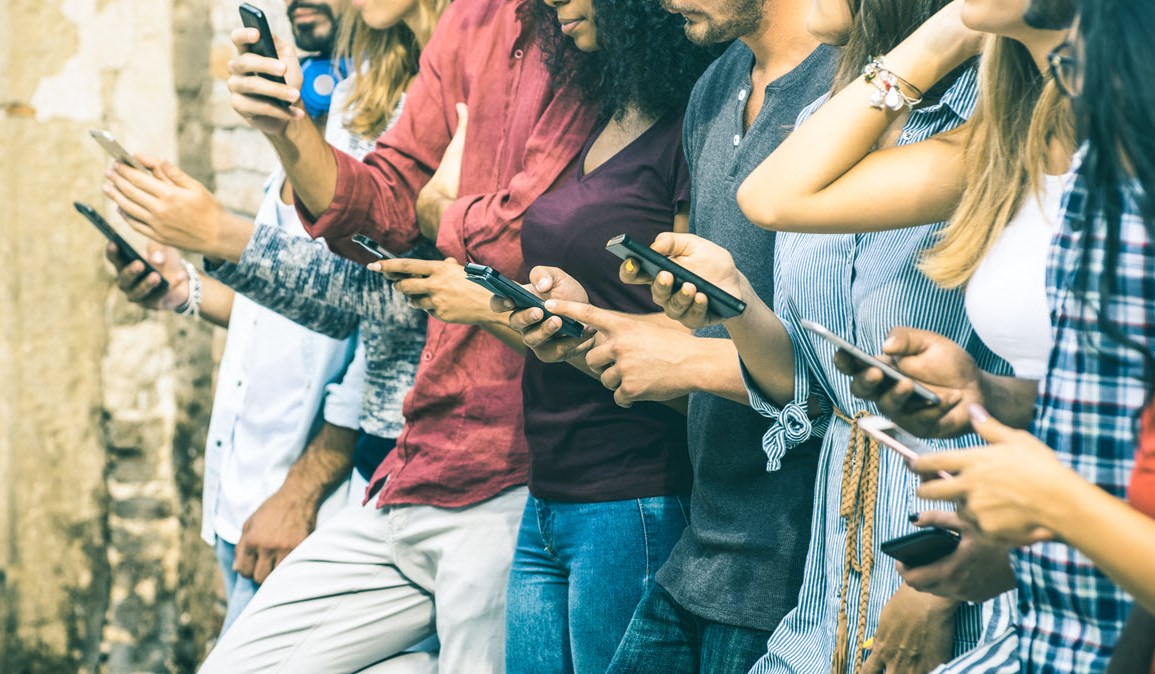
<point x="385" y="62"/>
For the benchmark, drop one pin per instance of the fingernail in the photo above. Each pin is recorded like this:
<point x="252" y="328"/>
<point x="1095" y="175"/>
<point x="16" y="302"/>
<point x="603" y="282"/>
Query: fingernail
<point x="543" y="284"/>
<point x="888" y="344"/>
<point x="157" y="257"/>
<point x="375" y="266"/>
<point x="631" y="266"/>
<point x="550" y="304"/>
<point x="913" y="517"/>
<point x="978" y="413"/>
<point x="294" y="93"/>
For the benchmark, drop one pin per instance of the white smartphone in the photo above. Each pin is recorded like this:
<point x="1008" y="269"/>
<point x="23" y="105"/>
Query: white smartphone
<point x="893" y="436"/>
<point x="115" y="149"/>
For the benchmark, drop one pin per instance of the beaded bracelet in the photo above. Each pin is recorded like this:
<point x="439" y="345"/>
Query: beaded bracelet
<point x="891" y="93"/>
<point x="191" y="306"/>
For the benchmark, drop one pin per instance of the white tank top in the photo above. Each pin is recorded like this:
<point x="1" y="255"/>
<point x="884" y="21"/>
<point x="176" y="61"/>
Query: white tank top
<point x="1006" y="299"/>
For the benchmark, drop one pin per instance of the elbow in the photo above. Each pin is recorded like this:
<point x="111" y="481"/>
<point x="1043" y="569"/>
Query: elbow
<point x="758" y="207"/>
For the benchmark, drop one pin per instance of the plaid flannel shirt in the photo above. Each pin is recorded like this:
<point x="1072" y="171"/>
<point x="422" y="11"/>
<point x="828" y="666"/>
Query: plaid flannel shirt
<point x="1088" y="410"/>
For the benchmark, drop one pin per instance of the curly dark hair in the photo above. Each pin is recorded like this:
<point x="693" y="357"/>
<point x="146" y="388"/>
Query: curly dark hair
<point x="644" y="59"/>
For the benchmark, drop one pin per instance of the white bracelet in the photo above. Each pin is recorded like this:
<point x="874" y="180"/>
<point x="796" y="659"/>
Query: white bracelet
<point x="191" y="306"/>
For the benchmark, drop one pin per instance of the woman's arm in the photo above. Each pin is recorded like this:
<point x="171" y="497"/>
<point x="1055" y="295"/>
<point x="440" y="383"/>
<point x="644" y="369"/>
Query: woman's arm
<point x="824" y="177"/>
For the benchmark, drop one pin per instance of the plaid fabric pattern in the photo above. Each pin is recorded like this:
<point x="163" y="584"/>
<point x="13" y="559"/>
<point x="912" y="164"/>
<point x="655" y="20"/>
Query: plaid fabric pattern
<point x="1088" y="412"/>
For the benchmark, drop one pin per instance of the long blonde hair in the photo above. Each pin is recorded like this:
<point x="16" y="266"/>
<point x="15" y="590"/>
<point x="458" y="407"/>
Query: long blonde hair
<point x="385" y="61"/>
<point x="1019" y="113"/>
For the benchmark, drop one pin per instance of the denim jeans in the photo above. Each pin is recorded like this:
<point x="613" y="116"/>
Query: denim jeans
<point x="577" y="576"/>
<point x="665" y="638"/>
<point x="238" y="589"/>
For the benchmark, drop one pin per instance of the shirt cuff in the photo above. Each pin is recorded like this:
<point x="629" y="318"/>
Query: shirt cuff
<point x="792" y="423"/>
<point x="333" y="223"/>
<point x="343" y="399"/>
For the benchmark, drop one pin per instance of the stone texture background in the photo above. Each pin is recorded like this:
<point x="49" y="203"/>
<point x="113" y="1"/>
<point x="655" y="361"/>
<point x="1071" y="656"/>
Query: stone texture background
<point x="103" y="406"/>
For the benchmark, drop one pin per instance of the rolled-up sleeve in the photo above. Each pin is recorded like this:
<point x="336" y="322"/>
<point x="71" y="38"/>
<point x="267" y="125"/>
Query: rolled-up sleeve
<point x="792" y="423"/>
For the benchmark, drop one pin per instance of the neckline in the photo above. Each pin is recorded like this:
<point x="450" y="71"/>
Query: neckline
<point x="581" y="168"/>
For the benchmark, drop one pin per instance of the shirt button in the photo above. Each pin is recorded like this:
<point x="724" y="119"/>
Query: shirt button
<point x="427" y="356"/>
<point x="240" y="382"/>
<point x="518" y="53"/>
<point x="741" y="94"/>
<point x="737" y="139"/>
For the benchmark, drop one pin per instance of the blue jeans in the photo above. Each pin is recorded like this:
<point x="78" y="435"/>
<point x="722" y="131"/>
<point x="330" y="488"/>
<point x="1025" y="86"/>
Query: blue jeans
<point x="238" y="589"/>
<point x="665" y="638"/>
<point x="577" y="575"/>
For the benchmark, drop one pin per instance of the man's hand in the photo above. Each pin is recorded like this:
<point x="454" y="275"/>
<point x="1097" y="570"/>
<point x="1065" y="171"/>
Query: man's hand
<point x="442" y="188"/>
<point x="636" y="359"/>
<point x="976" y="571"/>
<point x="440" y="288"/>
<point x="174" y="209"/>
<point x="915" y="634"/>
<point x="704" y="258"/>
<point x="931" y="359"/>
<point x="271" y="533"/>
<point x="266" y="105"/>
<point x="141" y="288"/>
<point x="1008" y="490"/>
<point x="540" y="336"/>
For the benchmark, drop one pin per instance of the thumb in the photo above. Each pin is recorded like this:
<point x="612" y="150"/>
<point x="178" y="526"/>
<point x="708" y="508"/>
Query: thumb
<point x="176" y="175"/>
<point x="544" y="279"/>
<point x="943" y="519"/>
<point x="673" y="244"/>
<point x="599" y="319"/>
<point x="462" y="121"/>
<point x="988" y="427"/>
<point x="905" y="342"/>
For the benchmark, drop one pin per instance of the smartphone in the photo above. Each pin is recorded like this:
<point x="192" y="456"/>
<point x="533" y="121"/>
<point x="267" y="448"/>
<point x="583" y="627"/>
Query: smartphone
<point x="490" y="279"/>
<point x="253" y="17"/>
<point x="375" y="249"/>
<point x="127" y="252"/>
<point x="922" y="547"/>
<point x="115" y="149"/>
<point x="893" y="436"/>
<point x="922" y="394"/>
<point x="722" y="303"/>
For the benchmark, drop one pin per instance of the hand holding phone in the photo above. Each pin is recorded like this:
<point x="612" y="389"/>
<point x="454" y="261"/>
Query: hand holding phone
<point x="490" y="279"/>
<point x="721" y="303"/>
<point x="253" y="17"/>
<point x="889" y="434"/>
<point x="922" y="547"/>
<point x="126" y="252"/>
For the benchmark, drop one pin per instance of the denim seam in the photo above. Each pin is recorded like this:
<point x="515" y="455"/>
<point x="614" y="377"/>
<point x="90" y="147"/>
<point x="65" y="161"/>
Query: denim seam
<point x="645" y="539"/>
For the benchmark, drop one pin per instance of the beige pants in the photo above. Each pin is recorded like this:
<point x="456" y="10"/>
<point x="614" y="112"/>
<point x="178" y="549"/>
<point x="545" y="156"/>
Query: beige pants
<point x="370" y="583"/>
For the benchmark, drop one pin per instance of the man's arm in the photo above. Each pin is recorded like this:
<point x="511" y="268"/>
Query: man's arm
<point x="288" y="516"/>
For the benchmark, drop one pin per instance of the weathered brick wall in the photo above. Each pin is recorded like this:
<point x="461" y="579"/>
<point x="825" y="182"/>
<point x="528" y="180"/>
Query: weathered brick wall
<point x="103" y="406"/>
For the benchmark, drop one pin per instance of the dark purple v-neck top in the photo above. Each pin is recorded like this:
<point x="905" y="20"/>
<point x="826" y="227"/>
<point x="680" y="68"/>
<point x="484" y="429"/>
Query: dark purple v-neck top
<point x="582" y="446"/>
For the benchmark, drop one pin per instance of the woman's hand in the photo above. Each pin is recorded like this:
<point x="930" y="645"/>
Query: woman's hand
<point x="175" y="210"/>
<point x="976" y="571"/>
<point x="541" y="335"/>
<point x="442" y="189"/>
<point x="440" y="288"/>
<point x="266" y="105"/>
<point x="708" y="260"/>
<point x="1008" y="490"/>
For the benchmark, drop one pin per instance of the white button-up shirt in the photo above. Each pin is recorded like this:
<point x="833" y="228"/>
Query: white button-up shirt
<point x="277" y="382"/>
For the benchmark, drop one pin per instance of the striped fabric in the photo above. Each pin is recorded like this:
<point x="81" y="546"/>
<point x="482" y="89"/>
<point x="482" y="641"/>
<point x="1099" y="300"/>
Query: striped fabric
<point x="860" y="287"/>
<point x="1088" y="412"/>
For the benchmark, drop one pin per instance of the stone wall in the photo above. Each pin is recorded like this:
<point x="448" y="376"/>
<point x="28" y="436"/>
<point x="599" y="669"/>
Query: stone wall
<point x="103" y="406"/>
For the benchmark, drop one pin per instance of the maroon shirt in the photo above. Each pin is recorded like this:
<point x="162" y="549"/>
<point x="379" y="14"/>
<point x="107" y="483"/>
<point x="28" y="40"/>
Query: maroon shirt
<point x="464" y="437"/>
<point x="583" y="447"/>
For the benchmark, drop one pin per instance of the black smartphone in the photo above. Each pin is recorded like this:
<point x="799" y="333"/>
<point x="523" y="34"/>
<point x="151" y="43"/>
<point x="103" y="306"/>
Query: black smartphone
<point x="253" y="17"/>
<point x="126" y="252"/>
<point x="492" y="280"/>
<point x="375" y="249"/>
<point x="722" y="303"/>
<point x="922" y="547"/>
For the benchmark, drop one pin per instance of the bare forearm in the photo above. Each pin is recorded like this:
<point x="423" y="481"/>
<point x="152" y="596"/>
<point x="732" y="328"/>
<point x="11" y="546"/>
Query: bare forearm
<point x="766" y="350"/>
<point x="500" y="329"/>
<point x="324" y="464"/>
<point x="310" y="165"/>
<point x="216" y="301"/>
<point x="1010" y="400"/>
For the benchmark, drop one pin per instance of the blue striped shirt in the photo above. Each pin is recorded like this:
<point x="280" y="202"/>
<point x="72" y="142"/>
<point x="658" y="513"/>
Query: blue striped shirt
<point x="861" y="286"/>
